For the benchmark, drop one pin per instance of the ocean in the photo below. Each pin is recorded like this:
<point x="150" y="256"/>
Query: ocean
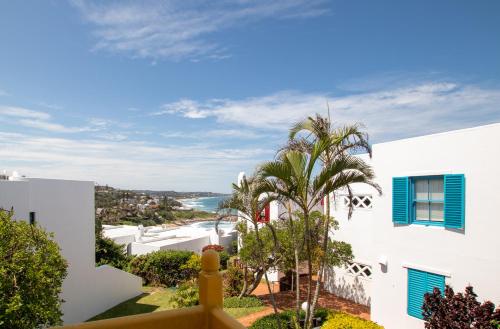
<point x="209" y="204"/>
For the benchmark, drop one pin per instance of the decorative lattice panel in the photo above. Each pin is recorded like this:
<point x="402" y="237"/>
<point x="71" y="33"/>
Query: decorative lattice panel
<point x="358" y="269"/>
<point x="358" y="201"/>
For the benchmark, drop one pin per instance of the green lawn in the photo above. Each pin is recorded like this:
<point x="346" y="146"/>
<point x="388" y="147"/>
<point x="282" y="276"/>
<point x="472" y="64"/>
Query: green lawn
<point x="156" y="299"/>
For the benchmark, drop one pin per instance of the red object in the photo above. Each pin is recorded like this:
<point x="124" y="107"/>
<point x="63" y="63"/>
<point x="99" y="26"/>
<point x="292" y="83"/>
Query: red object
<point x="323" y="201"/>
<point x="265" y="215"/>
<point x="215" y="247"/>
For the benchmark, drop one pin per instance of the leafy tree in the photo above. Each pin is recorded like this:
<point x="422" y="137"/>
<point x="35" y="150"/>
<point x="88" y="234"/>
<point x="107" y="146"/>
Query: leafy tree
<point x="107" y="252"/>
<point x="458" y="311"/>
<point x="32" y="271"/>
<point x="249" y="200"/>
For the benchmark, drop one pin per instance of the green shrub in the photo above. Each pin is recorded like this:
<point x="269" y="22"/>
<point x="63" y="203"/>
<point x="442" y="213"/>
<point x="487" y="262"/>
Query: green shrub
<point x="340" y="320"/>
<point x="224" y="259"/>
<point x="270" y="322"/>
<point x="164" y="267"/>
<point x="233" y="281"/>
<point x="192" y="266"/>
<point x="186" y="295"/>
<point x="32" y="271"/>
<point x="286" y="318"/>
<point x="107" y="252"/>
<point x="235" y="302"/>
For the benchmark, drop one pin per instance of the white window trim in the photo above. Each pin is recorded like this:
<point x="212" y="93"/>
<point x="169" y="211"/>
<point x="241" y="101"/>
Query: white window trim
<point x="426" y="269"/>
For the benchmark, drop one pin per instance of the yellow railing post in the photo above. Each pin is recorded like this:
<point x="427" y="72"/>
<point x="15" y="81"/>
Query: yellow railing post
<point x="210" y="280"/>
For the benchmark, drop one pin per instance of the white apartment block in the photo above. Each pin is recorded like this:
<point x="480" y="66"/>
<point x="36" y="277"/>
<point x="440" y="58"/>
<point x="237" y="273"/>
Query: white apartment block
<point x="436" y="224"/>
<point x="66" y="208"/>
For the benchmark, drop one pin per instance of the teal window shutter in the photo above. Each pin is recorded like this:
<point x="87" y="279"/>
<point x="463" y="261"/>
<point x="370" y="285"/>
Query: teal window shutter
<point x="454" y="201"/>
<point x="420" y="283"/>
<point x="400" y="191"/>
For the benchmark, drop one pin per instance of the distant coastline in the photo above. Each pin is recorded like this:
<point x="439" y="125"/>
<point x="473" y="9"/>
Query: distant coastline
<point x="203" y="203"/>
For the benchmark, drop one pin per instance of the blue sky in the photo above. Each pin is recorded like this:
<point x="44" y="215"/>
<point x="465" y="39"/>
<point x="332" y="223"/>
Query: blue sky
<point x="185" y="94"/>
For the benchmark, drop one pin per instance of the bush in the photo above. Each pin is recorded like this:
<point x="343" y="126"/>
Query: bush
<point x="31" y="274"/>
<point x="224" y="258"/>
<point x="186" y="295"/>
<point x="233" y="281"/>
<point x="340" y="320"/>
<point x="192" y="266"/>
<point x="164" y="267"/>
<point x="107" y="252"/>
<point x="235" y="302"/>
<point x="458" y="311"/>
<point x="286" y="318"/>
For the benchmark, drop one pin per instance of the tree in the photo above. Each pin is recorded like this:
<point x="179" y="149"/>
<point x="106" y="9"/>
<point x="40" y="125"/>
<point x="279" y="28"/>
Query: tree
<point x="249" y="199"/>
<point x="107" y="252"/>
<point x="458" y="311"/>
<point x="32" y="271"/>
<point x="342" y="141"/>
<point x="303" y="178"/>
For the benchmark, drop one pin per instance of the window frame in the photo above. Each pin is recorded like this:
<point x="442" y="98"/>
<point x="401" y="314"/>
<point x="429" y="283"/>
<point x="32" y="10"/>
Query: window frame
<point x="413" y="201"/>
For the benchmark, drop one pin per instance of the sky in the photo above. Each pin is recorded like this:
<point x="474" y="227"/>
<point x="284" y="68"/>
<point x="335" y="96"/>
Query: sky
<point x="183" y="95"/>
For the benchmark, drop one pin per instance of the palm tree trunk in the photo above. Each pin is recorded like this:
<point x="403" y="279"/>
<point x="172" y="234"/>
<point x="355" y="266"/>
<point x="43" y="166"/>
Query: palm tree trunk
<point x="309" y="269"/>
<point x="321" y="269"/>
<point x="296" y="257"/>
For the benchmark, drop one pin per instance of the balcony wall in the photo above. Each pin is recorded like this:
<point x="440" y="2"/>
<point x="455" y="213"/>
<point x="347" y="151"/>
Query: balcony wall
<point x="208" y="315"/>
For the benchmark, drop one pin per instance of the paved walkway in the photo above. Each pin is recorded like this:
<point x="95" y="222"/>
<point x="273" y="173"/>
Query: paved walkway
<point x="286" y="300"/>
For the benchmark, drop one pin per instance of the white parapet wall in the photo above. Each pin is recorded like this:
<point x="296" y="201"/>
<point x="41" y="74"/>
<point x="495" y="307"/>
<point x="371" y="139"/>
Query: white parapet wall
<point x="66" y="208"/>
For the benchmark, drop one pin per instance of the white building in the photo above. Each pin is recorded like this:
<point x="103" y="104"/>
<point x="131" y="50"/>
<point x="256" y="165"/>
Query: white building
<point x="139" y="240"/>
<point x="66" y="208"/>
<point x="434" y="225"/>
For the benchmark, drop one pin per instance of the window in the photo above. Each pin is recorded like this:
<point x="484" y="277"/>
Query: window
<point x="420" y="283"/>
<point x="427" y="200"/>
<point x="32" y="218"/>
<point x="265" y="215"/>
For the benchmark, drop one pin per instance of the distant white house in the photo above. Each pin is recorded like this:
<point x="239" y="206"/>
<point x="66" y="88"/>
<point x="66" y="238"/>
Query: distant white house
<point x="66" y="208"/>
<point x="138" y="240"/>
<point x="436" y="224"/>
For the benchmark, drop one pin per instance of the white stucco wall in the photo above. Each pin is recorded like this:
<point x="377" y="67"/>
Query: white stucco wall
<point x="66" y="208"/>
<point x="468" y="257"/>
<point x="358" y="232"/>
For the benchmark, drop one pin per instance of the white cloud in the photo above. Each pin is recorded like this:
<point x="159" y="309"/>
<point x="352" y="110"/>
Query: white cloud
<point x="178" y="29"/>
<point x="416" y="109"/>
<point x="216" y="133"/>
<point x="52" y="127"/>
<point x="128" y="164"/>
<point x="19" y="112"/>
<point x="42" y="120"/>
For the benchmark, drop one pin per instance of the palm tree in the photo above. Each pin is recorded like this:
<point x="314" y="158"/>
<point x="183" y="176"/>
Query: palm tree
<point x="249" y="198"/>
<point x="305" y="178"/>
<point x="343" y="140"/>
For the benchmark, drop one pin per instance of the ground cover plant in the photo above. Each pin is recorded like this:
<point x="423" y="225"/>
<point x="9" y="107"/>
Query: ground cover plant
<point x="340" y="320"/>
